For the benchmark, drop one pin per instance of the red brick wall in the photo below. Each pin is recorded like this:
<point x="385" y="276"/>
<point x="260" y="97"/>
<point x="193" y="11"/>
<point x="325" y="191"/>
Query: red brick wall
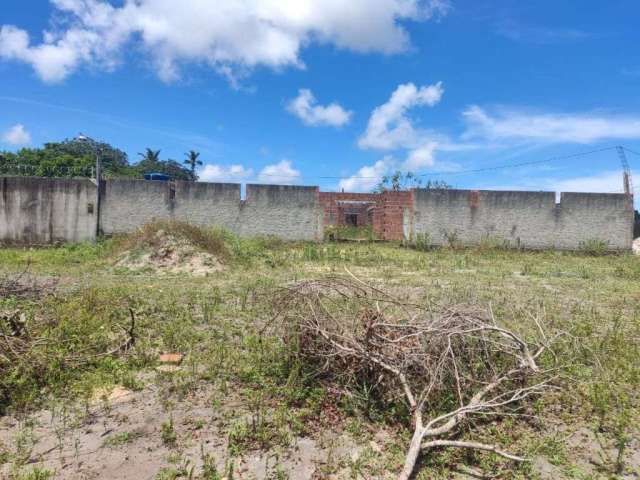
<point x="393" y="207"/>
<point x="388" y="214"/>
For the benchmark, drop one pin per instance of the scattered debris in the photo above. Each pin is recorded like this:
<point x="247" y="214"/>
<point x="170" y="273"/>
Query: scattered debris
<point x="25" y="286"/>
<point x="111" y="395"/>
<point x="171" y="358"/>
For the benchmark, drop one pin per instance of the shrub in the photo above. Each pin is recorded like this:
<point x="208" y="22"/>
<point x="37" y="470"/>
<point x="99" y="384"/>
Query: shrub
<point x="168" y="433"/>
<point x="490" y="242"/>
<point x="452" y="238"/>
<point x="594" y="247"/>
<point x="422" y="242"/>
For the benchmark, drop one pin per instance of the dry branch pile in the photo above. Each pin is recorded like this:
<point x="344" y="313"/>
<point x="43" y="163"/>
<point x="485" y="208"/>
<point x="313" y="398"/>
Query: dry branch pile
<point x="448" y="365"/>
<point x="36" y="347"/>
<point x="25" y="286"/>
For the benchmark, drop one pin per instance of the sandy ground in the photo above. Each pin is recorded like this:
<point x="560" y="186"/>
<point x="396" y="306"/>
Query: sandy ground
<point x="77" y="446"/>
<point x="171" y="255"/>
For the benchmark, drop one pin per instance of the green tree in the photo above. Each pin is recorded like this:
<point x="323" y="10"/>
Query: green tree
<point x="151" y="162"/>
<point x="77" y="158"/>
<point x="193" y="161"/>
<point x="399" y="181"/>
<point x="150" y="156"/>
<point x="69" y="158"/>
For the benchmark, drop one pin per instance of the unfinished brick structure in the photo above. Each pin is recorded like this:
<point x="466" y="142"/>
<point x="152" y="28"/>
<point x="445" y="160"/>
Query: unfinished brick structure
<point x="385" y="212"/>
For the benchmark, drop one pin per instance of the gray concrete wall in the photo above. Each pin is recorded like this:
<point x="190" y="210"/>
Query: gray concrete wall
<point x="525" y="219"/>
<point x="42" y="210"/>
<point x="289" y="212"/>
<point x="129" y="204"/>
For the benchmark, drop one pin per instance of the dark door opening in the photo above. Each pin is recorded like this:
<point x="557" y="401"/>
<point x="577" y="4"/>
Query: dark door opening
<point x="351" y="219"/>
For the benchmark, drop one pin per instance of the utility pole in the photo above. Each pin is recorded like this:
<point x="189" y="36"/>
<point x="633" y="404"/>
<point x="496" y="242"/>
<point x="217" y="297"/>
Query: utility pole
<point x="626" y="172"/>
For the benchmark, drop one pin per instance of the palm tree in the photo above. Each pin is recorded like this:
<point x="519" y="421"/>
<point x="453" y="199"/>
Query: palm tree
<point x="152" y="156"/>
<point x="192" y="161"/>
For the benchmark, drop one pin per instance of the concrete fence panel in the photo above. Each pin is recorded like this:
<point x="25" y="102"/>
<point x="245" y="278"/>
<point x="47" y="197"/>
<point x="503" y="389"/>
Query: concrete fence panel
<point x="288" y="212"/>
<point x="42" y="210"/>
<point x="523" y="219"/>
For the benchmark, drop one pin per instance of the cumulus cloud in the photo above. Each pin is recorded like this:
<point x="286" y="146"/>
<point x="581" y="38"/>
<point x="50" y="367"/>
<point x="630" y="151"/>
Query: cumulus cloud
<point x="603" y="182"/>
<point x="231" y="36"/>
<point x="367" y="177"/>
<point x="279" y="173"/>
<point x="229" y="173"/>
<point x="421" y="157"/>
<point x="389" y="126"/>
<point x="17" y="135"/>
<point x="304" y="107"/>
<point x="583" y="128"/>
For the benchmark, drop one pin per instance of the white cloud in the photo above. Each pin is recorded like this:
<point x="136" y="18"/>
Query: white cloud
<point x="17" y="135"/>
<point x="305" y="108"/>
<point x="603" y="182"/>
<point x="421" y="157"/>
<point x="540" y="35"/>
<point x="549" y="127"/>
<point x="389" y="127"/>
<point x="279" y="173"/>
<point x="367" y="177"/>
<point x="231" y="36"/>
<point x="218" y="173"/>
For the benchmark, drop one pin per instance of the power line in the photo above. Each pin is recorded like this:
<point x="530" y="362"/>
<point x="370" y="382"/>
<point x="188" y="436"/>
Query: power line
<point x="631" y="151"/>
<point x="356" y="177"/>
<point x="459" y="172"/>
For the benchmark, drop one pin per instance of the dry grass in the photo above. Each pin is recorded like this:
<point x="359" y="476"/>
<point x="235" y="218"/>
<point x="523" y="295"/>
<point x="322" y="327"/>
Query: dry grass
<point x="209" y="240"/>
<point x="261" y="396"/>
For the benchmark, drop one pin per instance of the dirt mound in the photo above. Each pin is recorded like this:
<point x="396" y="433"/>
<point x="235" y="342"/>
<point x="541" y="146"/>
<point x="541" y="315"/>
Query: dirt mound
<point x="636" y="246"/>
<point x="167" y="253"/>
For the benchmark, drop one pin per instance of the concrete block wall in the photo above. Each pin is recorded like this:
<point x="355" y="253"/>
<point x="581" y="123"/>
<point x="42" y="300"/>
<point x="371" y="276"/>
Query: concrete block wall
<point x="523" y="219"/>
<point x="39" y="211"/>
<point x="44" y="210"/>
<point x="128" y="204"/>
<point x="604" y="216"/>
<point x="289" y="212"/>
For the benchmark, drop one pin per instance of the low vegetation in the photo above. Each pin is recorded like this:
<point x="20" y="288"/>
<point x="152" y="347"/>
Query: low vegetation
<point x="267" y="370"/>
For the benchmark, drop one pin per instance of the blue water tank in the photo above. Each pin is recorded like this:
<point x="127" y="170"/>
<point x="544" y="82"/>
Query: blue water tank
<point x="157" y="176"/>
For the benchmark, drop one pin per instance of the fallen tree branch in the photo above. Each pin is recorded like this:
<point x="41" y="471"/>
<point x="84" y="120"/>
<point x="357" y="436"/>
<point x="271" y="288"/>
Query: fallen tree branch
<point x="350" y="332"/>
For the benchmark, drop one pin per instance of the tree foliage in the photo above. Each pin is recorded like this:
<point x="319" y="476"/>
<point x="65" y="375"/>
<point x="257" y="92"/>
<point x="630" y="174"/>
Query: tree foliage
<point x="399" y="181"/>
<point x="193" y="161"/>
<point x="77" y="158"/>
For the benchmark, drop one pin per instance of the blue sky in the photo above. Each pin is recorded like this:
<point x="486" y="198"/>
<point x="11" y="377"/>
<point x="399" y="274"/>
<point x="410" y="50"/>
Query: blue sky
<point x="334" y="93"/>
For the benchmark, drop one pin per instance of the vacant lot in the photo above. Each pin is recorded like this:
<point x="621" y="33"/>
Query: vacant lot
<point x="85" y="393"/>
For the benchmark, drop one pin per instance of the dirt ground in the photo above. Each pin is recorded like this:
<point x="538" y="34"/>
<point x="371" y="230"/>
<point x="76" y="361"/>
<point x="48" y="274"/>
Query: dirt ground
<point x="169" y="255"/>
<point x="119" y="437"/>
<point x="77" y="441"/>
